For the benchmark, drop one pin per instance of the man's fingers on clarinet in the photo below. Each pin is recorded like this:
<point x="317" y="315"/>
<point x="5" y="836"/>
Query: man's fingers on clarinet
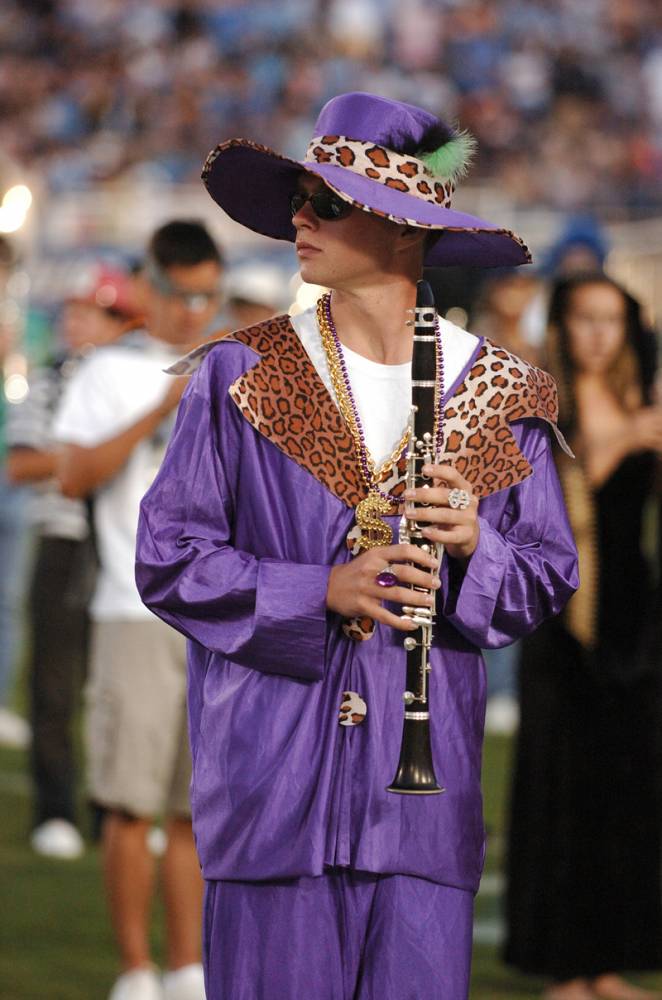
<point x="457" y="535"/>
<point x="380" y="614"/>
<point x="416" y="577"/>
<point x="405" y="553"/>
<point x="437" y="496"/>
<point x="405" y="595"/>
<point x="440" y="515"/>
<point x="446" y="474"/>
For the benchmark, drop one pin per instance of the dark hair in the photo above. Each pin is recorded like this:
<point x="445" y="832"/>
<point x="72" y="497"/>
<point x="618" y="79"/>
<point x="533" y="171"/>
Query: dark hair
<point x="640" y="341"/>
<point x="183" y="243"/>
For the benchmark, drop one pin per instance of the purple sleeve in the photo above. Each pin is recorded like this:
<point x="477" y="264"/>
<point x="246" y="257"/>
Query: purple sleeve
<point x="525" y="566"/>
<point x="262" y="613"/>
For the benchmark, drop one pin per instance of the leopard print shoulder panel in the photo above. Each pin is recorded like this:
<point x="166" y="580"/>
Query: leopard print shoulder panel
<point x="499" y="389"/>
<point x="286" y="401"/>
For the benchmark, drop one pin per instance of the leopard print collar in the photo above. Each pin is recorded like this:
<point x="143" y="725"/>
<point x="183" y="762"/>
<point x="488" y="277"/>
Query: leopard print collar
<point x="286" y="401"/>
<point x="499" y="389"/>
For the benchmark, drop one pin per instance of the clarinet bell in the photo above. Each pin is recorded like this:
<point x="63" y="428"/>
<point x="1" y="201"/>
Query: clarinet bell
<point x="415" y="774"/>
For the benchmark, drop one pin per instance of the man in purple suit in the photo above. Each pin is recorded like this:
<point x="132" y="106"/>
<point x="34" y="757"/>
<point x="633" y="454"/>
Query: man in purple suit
<point x="268" y="539"/>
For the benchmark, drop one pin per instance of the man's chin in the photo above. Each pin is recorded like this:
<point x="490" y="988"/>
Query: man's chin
<point x="311" y="274"/>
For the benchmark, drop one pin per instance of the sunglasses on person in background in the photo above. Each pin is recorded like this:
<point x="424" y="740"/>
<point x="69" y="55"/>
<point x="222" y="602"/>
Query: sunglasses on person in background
<point x="193" y="301"/>
<point x="325" y="204"/>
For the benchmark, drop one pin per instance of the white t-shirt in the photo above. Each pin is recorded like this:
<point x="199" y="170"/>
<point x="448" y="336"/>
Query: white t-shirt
<point x="383" y="392"/>
<point x="111" y="390"/>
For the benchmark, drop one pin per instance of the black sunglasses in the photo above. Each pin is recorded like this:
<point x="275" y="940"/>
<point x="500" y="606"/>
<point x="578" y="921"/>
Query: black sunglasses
<point x="325" y="204"/>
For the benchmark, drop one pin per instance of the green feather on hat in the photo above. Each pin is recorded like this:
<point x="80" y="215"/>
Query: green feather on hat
<point x="452" y="159"/>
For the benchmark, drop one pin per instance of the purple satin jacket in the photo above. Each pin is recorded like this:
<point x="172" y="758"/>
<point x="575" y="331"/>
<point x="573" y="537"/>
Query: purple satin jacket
<point x="235" y="543"/>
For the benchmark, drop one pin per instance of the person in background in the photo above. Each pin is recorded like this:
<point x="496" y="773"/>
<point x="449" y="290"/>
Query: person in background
<point x="256" y="291"/>
<point x="580" y="248"/>
<point x="502" y="302"/>
<point x="512" y="310"/>
<point x="583" y="898"/>
<point x="64" y="562"/>
<point x="113" y="425"/>
<point x="498" y="313"/>
<point x="14" y="540"/>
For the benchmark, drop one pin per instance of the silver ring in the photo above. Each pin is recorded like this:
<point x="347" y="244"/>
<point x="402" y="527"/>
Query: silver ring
<point x="459" y="499"/>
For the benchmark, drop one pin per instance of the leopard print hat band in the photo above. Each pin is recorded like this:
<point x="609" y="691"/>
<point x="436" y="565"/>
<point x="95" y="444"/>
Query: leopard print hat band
<point x="397" y="171"/>
<point x="354" y="152"/>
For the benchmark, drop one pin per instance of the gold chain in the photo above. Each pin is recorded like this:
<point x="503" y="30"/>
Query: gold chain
<point x="371" y="511"/>
<point x="345" y="405"/>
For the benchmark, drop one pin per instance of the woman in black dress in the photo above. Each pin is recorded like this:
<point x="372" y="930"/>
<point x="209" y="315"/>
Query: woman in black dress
<point x="584" y="871"/>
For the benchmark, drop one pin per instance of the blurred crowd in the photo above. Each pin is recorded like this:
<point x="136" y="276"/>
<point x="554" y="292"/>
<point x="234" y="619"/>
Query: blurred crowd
<point x="564" y="98"/>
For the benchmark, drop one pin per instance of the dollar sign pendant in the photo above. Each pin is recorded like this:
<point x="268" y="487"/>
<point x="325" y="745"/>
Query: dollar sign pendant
<point x="369" y="514"/>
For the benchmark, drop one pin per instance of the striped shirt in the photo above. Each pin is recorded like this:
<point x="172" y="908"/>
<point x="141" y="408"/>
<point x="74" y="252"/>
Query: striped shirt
<point x="29" y="425"/>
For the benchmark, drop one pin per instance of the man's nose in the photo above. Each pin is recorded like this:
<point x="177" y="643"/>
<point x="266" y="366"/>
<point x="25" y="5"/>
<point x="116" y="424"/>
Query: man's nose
<point x="304" y="217"/>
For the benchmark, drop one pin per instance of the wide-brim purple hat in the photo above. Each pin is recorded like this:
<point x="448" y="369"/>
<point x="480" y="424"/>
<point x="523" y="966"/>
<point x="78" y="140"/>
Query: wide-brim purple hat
<point x="383" y="156"/>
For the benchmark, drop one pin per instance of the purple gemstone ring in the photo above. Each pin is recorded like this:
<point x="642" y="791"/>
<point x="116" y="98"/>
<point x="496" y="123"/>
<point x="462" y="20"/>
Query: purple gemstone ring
<point x="387" y="577"/>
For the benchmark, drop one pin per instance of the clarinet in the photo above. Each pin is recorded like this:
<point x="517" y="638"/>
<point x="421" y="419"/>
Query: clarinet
<point x="415" y="774"/>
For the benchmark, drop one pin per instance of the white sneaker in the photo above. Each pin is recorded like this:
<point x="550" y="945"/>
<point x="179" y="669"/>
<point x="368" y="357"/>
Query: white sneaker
<point x="187" y="983"/>
<point x="57" y="838"/>
<point x="502" y="715"/>
<point x="14" y="730"/>
<point x="157" y="841"/>
<point x="138" y="984"/>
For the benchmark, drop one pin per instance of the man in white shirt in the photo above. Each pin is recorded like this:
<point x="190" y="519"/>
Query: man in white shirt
<point x="114" y="424"/>
<point x="96" y="312"/>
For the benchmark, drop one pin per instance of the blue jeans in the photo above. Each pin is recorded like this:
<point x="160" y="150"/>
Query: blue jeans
<point x="14" y="550"/>
<point x="502" y="670"/>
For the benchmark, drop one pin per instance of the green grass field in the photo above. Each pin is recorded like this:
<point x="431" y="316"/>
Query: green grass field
<point x="54" y="938"/>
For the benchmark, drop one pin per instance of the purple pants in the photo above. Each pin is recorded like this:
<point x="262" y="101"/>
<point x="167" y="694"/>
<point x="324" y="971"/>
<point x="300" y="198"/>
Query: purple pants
<point x="343" y="936"/>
